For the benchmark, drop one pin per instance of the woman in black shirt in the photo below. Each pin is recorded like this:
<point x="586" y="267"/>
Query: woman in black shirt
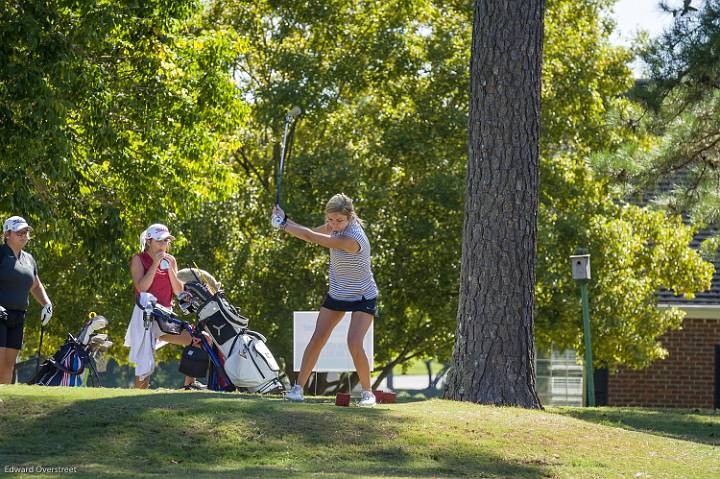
<point x="18" y="279"/>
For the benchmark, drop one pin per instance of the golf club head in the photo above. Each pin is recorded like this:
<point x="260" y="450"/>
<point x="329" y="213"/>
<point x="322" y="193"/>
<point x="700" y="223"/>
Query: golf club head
<point x="293" y="113"/>
<point x="185" y="302"/>
<point x="104" y="346"/>
<point x="100" y="346"/>
<point x="98" y="338"/>
<point x="98" y="322"/>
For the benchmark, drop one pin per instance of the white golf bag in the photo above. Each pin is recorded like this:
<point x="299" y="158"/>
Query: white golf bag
<point x="249" y="364"/>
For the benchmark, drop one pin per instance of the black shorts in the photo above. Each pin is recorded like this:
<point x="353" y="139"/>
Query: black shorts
<point x="11" y="330"/>
<point x="368" y="306"/>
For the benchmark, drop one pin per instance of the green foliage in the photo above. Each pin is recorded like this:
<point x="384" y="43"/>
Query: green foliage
<point x="682" y="95"/>
<point x="584" y="79"/>
<point x="634" y="253"/>
<point x="588" y="119"/>
<point x="382" y="116"/>
<point x="114" y="116"/>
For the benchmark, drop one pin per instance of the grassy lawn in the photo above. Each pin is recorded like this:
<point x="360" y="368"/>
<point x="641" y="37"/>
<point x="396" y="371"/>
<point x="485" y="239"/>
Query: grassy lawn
<point x="126" y="433"/>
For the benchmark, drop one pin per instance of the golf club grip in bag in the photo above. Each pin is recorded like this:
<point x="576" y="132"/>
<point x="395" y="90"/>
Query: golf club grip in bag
<point x="250" y="364"/>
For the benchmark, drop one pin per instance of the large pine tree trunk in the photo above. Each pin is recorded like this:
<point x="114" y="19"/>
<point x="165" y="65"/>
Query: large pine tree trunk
<point x="493" y="361"/>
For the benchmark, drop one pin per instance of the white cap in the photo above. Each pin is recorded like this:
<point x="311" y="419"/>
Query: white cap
<point x="158" y="232"/>
<point x="15" y="224"/>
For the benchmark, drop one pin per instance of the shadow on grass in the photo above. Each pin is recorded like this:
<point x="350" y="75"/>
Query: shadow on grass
<point x="415" y="395"/>
<point x="697" y="426"/>
<point x="201" y="434"/>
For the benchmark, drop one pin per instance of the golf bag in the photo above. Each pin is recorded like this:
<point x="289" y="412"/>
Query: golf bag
<point x="250" y="364"/>
<point x="67" y="366"/>
<point x="221" y="320"/>
<point x="215" y="315"/>
<point x="194" y="360"/>
<point x="243" y="356"/>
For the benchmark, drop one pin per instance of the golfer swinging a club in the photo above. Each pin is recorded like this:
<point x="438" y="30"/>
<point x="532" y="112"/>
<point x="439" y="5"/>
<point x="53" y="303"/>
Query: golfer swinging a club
<point x="352" y="287"/>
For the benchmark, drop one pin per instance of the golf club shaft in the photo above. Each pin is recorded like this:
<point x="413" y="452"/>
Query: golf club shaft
<point x="282" y="161"/>
<point x="37" y="364"/>
<point x="291" y="115"/>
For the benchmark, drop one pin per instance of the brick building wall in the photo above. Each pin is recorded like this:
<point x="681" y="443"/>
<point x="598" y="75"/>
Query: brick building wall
<point x="686" y="378"/>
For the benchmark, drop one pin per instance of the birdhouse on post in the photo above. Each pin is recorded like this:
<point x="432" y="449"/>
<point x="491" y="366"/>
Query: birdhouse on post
<point x="581" y="274"/>
<point x="580" y="267"/>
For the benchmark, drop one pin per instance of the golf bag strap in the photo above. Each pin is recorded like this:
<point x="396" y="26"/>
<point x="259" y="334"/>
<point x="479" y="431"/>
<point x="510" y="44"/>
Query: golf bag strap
<point x="250" y="355"/>
<point x="62" y="368"/>
<point x="232" y="346"/>
<point x="256" y="335"/>
<point x="82" y="355"/>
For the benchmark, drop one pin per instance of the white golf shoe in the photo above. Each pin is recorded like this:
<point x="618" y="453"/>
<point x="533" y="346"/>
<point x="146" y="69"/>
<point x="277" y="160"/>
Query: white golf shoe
<point x="295" y="394"/>
<point x="367" y="399"/>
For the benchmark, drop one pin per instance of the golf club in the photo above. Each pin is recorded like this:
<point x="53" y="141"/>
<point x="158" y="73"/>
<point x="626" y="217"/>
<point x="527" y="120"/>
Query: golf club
<point x="42" y="333"/>
<point x="104" y="346"/>
<point x="100" y="346"/>
<point x="97" y="339"/>
<point x="97" y="322"/>
<point x="291" y="115"/>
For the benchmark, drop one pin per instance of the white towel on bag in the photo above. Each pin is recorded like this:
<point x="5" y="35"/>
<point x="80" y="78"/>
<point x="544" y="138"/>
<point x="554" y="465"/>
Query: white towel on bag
<point x="143" y="342"/>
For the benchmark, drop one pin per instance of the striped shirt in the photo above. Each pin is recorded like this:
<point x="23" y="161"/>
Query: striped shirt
<point x="351" y="276"/>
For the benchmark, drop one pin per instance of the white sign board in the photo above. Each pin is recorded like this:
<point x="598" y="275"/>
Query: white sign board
<point x="335" y="356"/>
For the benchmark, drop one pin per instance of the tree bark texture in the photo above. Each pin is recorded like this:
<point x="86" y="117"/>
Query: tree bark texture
<point x="494" y="356"/>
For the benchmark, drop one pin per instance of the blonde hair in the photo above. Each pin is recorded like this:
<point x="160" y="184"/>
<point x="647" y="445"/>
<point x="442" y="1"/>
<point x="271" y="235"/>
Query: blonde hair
<point x="143" y="241"/>
<point x="144" y="245"/>
<point x="343" y="204"/>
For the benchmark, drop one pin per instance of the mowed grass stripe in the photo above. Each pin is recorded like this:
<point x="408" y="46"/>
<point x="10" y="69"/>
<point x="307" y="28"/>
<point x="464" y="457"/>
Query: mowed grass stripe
<point x="128" y="433"/>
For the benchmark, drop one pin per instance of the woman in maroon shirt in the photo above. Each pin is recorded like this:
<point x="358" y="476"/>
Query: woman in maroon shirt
<point x="154" y="271"/>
